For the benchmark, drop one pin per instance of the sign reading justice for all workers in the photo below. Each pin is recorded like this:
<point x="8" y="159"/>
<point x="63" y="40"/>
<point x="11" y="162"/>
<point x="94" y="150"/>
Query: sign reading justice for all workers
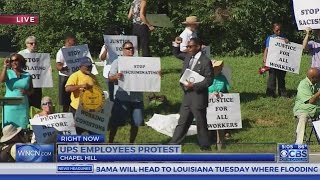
<point x="307" y="13"/>
<point x="284" y="56"/>
<point x="140" y="74"/>
<point x="96" y="122"/>
<point x="39" y="66"/>
<point x="72" y="56"/>
<point x="46" y="128"/>
<point x="224" y="112"/>
<point x="114" y="44"/>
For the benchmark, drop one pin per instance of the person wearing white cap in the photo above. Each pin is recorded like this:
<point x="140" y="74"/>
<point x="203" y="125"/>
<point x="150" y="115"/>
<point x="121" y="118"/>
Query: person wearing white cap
<point x="10" y="136"/>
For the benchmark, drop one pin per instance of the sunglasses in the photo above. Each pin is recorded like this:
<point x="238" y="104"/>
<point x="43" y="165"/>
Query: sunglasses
<point x="33" y="43"/>
<point x="47" y="103"/>
<point x="129" y="48"/>
<point x="12" y="60"/>
<point x="190" y="46"/>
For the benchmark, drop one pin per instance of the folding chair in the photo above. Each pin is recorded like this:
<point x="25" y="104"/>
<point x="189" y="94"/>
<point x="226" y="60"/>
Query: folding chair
<point x="312" y="131"/>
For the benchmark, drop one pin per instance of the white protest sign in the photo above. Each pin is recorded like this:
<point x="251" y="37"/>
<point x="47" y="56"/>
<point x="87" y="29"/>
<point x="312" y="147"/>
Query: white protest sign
<point x="96" y="122"/>
<point x="307" y="13"/>
<point x="140" y="74"/>
<point x="72" y="56"/>
<point x="39" y="66"/>
<point x="284" y="56"/>
<point x="224" y="112"/>
<point x="206" y="51"/>
<point x="190" y="76"/>
<point x="114" y="44"/>
<point x="46" y="128"/>
<point x="316" y="125"/>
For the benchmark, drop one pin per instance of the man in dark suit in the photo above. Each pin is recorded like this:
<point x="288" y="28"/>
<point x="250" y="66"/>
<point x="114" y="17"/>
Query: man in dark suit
<point x="195" y="100"/>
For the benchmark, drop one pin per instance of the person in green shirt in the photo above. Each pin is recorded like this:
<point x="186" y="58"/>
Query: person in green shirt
<point x="307" y="104"/>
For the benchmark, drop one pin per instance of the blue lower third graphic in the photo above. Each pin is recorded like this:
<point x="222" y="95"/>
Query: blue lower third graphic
<point x="293" y="153"/>
<point x="34" y="153"/>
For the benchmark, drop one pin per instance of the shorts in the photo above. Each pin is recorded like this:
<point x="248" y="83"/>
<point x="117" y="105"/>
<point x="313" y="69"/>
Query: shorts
<point x="64" y="97"/>
<point x="123" y="110"/>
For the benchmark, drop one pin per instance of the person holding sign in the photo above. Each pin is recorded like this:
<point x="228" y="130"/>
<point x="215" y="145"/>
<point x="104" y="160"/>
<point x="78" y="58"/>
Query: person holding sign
<point x="307" y="104"/>
<point x="47" y="109"/>
<point x="195" y="100"/>
<point x="35" y="97"/>
<point x="275" y="74"/>
<point x="18" y="84"/>
<point x="313" y="47"/>
<point x="80" y="81"/>
<point x="64" y="97"/>
<point x="141" y="25"/>
<point x="126" y="104"/>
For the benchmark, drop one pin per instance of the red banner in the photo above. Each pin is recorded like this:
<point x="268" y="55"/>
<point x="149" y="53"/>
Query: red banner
<point x="19" y="19"/>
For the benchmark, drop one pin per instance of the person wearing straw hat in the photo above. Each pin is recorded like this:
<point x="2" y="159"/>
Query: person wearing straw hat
<point x="180" y="44"/>
<point x="10" y="136"/>
<point x="219" y="85"/>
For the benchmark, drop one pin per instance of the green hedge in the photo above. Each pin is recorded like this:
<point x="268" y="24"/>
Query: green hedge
<point x="241" y="31"/>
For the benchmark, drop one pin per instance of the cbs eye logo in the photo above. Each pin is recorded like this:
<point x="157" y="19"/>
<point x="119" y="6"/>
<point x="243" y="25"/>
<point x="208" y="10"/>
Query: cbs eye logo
<point x="284" y="153"/>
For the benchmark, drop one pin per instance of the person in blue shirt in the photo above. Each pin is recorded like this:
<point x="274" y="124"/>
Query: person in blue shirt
<point x="275" y="74"/>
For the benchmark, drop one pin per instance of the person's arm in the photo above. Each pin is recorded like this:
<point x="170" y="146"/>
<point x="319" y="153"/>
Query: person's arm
<point x="115" y="77"/>
<point x="306" y="38"/>
<point x="3" y="75"/>
<point x="71" y="88"/>
<point x="103" y="53"/>
<point x="143" y="9"/>
<point x="29" y="91"/>
<point x="314" y="98"/>
<point x="130" y="13"/>
<point x="265" y="56"/>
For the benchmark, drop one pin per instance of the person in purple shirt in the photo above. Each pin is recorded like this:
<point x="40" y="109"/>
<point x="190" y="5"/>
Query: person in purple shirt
<point x="275" y="74"/>
<point x="313" y="47"/>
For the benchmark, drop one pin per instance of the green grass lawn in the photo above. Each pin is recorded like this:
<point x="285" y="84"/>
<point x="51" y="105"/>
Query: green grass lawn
<point x="266" y="121"/>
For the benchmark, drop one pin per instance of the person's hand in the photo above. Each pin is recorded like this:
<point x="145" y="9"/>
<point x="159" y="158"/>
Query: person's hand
<point x="159" y="73"/>
<point x="178" y="40"/>
<point x="188" y="85"/>
<point x="151" y="28"/>
<point x="85" y="86"/>
<point x="308" y="30"/>
<point x="119" y="76"/>
<point x="6" y="62"/>
<point x="23" y="91"/>
<point x="286" y="41"/>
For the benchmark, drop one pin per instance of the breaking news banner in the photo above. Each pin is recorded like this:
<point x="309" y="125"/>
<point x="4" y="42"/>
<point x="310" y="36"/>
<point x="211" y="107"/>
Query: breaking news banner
<point x="34" y="153"/>
<point x="80" y="138"/>
<point x="19" y="19"/>
<point x="293" y="153"/>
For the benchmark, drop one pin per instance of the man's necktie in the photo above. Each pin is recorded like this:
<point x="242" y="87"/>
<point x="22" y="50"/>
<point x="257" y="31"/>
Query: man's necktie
<point x="191" y="62"/>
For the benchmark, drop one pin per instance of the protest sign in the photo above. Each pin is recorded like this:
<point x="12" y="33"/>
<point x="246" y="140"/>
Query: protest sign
<point x="284" y="56"/>
<point x="46" y="128"/>
<point x="39" y="66"/>
<point x="73" y="55"/>
<point x="224" y="112"/>
<point x="96" y="122"/>
<point x="140" y="74"/>
<point x="307" y="13"/>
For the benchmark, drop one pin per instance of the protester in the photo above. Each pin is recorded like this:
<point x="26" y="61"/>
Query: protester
<point x="219" y="86"/>
<point x="47" y="109"/>
<point x="108" y="58"/>
<point x="195" y="100"/>
<point x="35" y="97"/>
<point x="126" y="104"/>
<point x="11" y="135"/>
<point x="275" y="74"/>
<point x="61" y="65"/>
<point x="307" y="104"/>
<point x="141" y="25"/>
<point x="80" y="80"/>
<point x="18" y="83"/>
<point x="313" y="47"/>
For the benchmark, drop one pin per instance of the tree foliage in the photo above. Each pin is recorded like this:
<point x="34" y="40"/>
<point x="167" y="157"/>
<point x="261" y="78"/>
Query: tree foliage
<point x="233" y="27"/>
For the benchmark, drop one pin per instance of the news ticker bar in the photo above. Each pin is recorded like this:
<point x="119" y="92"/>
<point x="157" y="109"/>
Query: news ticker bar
<point x="19" y="19"/>
<point x="166" y="157"/>
<point x="163" y="168"/>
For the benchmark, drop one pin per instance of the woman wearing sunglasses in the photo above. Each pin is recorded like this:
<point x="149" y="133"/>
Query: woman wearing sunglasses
<point x="18" y="83"/>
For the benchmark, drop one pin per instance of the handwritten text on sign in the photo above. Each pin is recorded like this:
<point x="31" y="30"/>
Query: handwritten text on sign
<point x="140" y="74"/>
<point x="224" y="112"/>
<point x="307" y="13"/>
<point x="39" y="66"/>
<point x="284" y="56"/>
<point x="73" y="55"/>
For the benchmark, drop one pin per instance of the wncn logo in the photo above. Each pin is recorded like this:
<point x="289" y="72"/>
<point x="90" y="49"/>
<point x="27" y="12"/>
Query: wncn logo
<point x="293" y="153"/>
<point x="34" y="153"/>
